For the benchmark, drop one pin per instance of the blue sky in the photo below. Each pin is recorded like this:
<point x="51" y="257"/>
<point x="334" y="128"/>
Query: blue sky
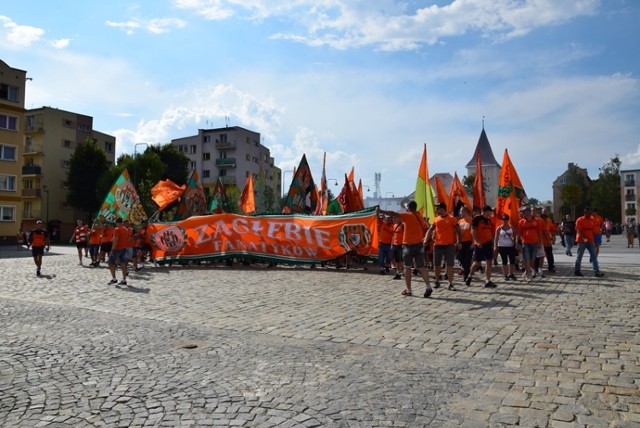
<point x="368" y="82"/>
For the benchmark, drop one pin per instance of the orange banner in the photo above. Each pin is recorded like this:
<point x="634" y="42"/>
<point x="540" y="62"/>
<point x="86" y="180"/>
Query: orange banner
<point x="279" y="238"/>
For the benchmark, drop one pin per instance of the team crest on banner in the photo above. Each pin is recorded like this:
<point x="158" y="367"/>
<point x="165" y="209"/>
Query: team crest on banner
<point x="170" y="240"/>
<point x="354" y="237"/>
<point x="193" y="201"/>
<point x="123" y="202"/>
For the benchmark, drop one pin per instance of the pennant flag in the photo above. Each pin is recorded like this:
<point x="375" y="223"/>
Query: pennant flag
<point x="165" y="192"/>
<point x="352" y="174"/>
<point x="424" y="192"/>
<point x="247" y="200"/>
<point x="219" y="201"/>
<point x="349" y="197"/>
<point x="302" y="196"/>
<point x="260" y="188"/>
<point x="123" y="202"/>
<point x="193" y="200"/>
<point x="441" y="193"/>
<point x="511" y="194"/>
<point x="323" y="194"/>
<point x="478" y="187"/>
<point x="457" y="194"/>
<point x="360" y="192"/>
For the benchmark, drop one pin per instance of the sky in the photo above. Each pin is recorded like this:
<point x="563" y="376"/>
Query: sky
<point x="367" y="82"/>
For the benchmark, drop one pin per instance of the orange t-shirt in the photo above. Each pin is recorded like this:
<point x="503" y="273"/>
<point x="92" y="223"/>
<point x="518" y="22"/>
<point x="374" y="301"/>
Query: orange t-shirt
<point x="445" y="230"/>
<point x="95" y="235"/>
<point x="597" y="224"/>
<point x="465" y="228"/>
<point x="385" y="232"/>
<point x="484" y="229"/>
<point x="414" y="228"/>
<point x="121" y="237"/>
<point x="398" y="234"/>
<point x="585" y="227"/>
<point x="107" y="233"/>
<point x="38" y="238"/>
<point x="529" y="230"/>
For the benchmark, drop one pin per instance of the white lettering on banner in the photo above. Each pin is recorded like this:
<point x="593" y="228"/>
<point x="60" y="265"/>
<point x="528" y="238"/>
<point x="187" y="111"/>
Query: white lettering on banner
<point x="240" y="226"/>
<point x="202" y="235"/>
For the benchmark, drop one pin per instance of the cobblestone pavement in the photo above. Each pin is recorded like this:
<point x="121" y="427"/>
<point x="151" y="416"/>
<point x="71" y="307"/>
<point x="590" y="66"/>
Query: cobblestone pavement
<point x="252" y="346"/>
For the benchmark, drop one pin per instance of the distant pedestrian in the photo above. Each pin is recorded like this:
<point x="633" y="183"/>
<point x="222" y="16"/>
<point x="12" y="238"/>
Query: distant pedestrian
<point x="465" y="252"/>
<point x="568" y="233"/>
<point x="482" y="231"/>
<point x="505" y="245"/>
<point x="117" y="255"/>
<point x="79" y="235"/>
<point x="39" y="241"/>
<point x="385" y="236"/>
<point x="446" y="240"/>
<point x="630" y="231"/>
<point x="95" y="237"/>
<point x="585" y="238"/>
<point x="396" y="248"/>
<point x="21" y="239"/>
<point x="530" y="236"/>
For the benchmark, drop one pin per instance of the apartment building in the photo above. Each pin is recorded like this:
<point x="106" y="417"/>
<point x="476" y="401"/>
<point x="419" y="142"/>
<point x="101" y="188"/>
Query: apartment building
<point x="50" y="137"/>
<point x="231" y="153"/>
<point x="630" y="186"/>
<point x="12" y="89"/>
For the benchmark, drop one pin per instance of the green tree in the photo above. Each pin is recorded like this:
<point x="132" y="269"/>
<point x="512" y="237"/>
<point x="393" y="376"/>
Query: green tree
<point x="87" y="168"/>
<point x="571" y="195"/>
<point x="176" y="164"/>
<point x="575" y="200"/>
<point x="605" y="191"/>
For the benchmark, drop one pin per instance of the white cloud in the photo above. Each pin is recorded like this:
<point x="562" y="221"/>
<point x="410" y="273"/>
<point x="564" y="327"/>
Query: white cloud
<point x="20" y="36"/>
<point x="631" y="160"/>
<point x="154" y="26"/>
<point x="60" y="43"/>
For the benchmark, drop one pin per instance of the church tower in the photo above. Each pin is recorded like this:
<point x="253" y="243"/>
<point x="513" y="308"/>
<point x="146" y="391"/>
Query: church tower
<point x="490" y="168"/>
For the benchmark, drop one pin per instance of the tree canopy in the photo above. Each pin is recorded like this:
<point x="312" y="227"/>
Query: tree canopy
<point x="605" y="191"/>
<point x="87" y="168"/>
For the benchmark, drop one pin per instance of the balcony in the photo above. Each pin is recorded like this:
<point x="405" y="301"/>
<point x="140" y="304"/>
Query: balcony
<point x="32" y="149"/>
<point x="31" y="170"/>
<point x="226" y="144"/>
<point x="226" y="163"/>
<point x="630" y="183"/>
<point x="630" y="197"/>
<point x="31" y="214"/>
<point x="228" y="179"/>
<point x="34" y="127"/>
<point x="31" y="193"/>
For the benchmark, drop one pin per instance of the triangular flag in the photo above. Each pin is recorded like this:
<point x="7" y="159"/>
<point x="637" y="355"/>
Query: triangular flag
<point x="441" y="193"/>
<point x="323" y="193"/>
<point x="123" y="202"/>
<point x="165" y="192"/>
<point x="219" y="201"/>
<point x="351" y="176"/>
<point x="478" y="185"/>
<point x="193" y="200"/>
<point x="424" y="191"/>
<point x="247" y="200"/>
<point x="302" y="196"/>
<point x="511" y="194"/>
<point x="457" y="191"/>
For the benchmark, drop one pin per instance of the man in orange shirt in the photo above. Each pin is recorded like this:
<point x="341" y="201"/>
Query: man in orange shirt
<point x="95" y="237"/>
<point x="530" y="234"/>
<point x="413" y="246"/>
<point x="482" y="232"/>
<point x="446" y="239"/>
<point x="585" y="238"/>
<point x="465" y="253"/>
<point x="38" y="240"/>
<point x="548" y="238"/>
<point x="396" y="247"/>
<point x="117" y="255"/>
<point x="598" y="222"/>
<point x="385" y="236"/>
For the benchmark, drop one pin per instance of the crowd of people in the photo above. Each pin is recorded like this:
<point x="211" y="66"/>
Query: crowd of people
<point x="408" y="244"/>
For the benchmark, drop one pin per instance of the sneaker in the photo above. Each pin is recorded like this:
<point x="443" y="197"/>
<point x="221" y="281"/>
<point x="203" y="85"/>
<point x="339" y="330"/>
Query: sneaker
<point x="552" y="270"/>
<point x="113" y="281"/>
<point x="490" y="284"/>
<point x="541" y="273"/>
<point x="38" y="272"/>
<point x="468" y="280"/>
<point x="437" y="284"/>
<point x="534" y="274"/>
<point x="138" y="269"/>
<point x="397" y="276"/>
<point x="427" y="292"/>
<point x="570" y="255"/>
<point x="123" y="282"/>
<point x="506" y="278"/>
<point x="451" y="287"/>
<point x="598" y="274"/>
<point x="382" y="271"/>
<point x="512" y="276"/>
<point x="578" y="273"/>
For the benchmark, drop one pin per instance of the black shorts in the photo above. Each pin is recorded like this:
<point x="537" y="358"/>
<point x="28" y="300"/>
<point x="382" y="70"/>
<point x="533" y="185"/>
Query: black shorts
<point x="80" y="245"/>
<point x="37" y="251"/>
<point x="396" y="253"/>
<point x="105" y="247"/>
<point x="483" y="252"/>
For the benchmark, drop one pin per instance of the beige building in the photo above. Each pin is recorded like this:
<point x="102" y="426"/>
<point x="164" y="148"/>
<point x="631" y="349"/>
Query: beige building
<point x="630" y="185"/>
<point x="558" y="184"/>
<point x="12" y="89"/>
<point x="50" y="137"/>
<point x="232" y="153"/>
<point x="490" y="169"/>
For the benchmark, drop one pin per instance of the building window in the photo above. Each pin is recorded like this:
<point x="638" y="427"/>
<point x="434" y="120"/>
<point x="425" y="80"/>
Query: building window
<point x="223" y="173"/>
<point x="629" y="177"/>
<point x="108" y="146"/>
<point x="247" y="157"/>
<point x="66" y="164"/>
<point x="8" y="183"/>
<point x="7" y="153"/>
<point x="66" y="144"/>
<point x="182" y="148"/>
<point x="8" y="92"/>
<point x="563" y="180"/>
<point x="246" y="174"/>
<point x="206" y="156"/>
<point x="84" y="127"/>
<point x="206" y="173"/>
<point x="192" y="149"/>
<point x="223" y="138"/>
<point x="192" y="166"/>
<point x="255" y="159"/>
<point x="7" y="213"/>
<point x="8" y="122"/>
<point x="68" y="123"/>
<point x="206" y="139"/>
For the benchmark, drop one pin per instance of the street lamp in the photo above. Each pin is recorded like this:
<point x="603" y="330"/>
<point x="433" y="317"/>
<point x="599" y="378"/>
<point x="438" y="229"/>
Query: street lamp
<point x="45" y="188"/>
<point x="332" y="179"/>
<point x="135" y="164"/>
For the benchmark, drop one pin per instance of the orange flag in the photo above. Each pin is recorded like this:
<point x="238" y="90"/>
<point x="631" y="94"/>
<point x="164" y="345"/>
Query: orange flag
<point x="441" y="193"/>
<point x="457" y="190"/>
<point x="351" y="176"/>
<point x="511" y="194"/>
<point x="323" y="193"/>
<point x="478" y="187"/>
<point x="247" y="200"/>
<point x="165" y="192"/>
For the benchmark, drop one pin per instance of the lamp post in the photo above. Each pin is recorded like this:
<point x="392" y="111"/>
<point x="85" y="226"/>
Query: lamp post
<point x="135" y="164"/>
<point x="45" y="188"/>
<point x="332" y="179"/>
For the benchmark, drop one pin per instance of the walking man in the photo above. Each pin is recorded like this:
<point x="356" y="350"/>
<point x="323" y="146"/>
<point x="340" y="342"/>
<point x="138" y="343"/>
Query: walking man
<point x="80" y="236"/>
<point x="585" y="238"/>
<point x="117" y="255"/>
<point x="482" y="232"/>
<point x="447" y="237"/>
<point x="568" y="233"/>
<point x="38" y="240"/>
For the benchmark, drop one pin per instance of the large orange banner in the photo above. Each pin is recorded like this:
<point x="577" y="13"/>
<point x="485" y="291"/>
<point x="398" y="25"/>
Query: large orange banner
<point x="280" y="238"/>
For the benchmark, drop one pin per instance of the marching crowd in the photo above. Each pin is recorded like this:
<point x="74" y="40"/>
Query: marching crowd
<point x="408" y="243"/>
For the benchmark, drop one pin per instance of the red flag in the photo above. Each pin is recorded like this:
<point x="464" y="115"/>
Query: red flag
<point x="193" y="200"/>
<point x="323" y="194"/>
<point x="247" y="200"/>
<point x="441" y="193"/>
<point x="165" y="192"/>
<point x="511" y="194"/>
<point x="478" y="188"/>
<point x="457" y="190"/>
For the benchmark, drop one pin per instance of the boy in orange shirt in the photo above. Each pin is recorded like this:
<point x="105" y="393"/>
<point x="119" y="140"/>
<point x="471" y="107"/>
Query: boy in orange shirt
<point x="482" y="231"/>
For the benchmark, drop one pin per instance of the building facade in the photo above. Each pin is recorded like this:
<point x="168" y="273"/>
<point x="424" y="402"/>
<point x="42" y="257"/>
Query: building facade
<point x="630" y="185"/>
<point x="12" y="94"/>
<point x="50" y="138"/>
<point x="231" y="153"/>
<point x="566" y="177"/>
<point x="490" y="169"/>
